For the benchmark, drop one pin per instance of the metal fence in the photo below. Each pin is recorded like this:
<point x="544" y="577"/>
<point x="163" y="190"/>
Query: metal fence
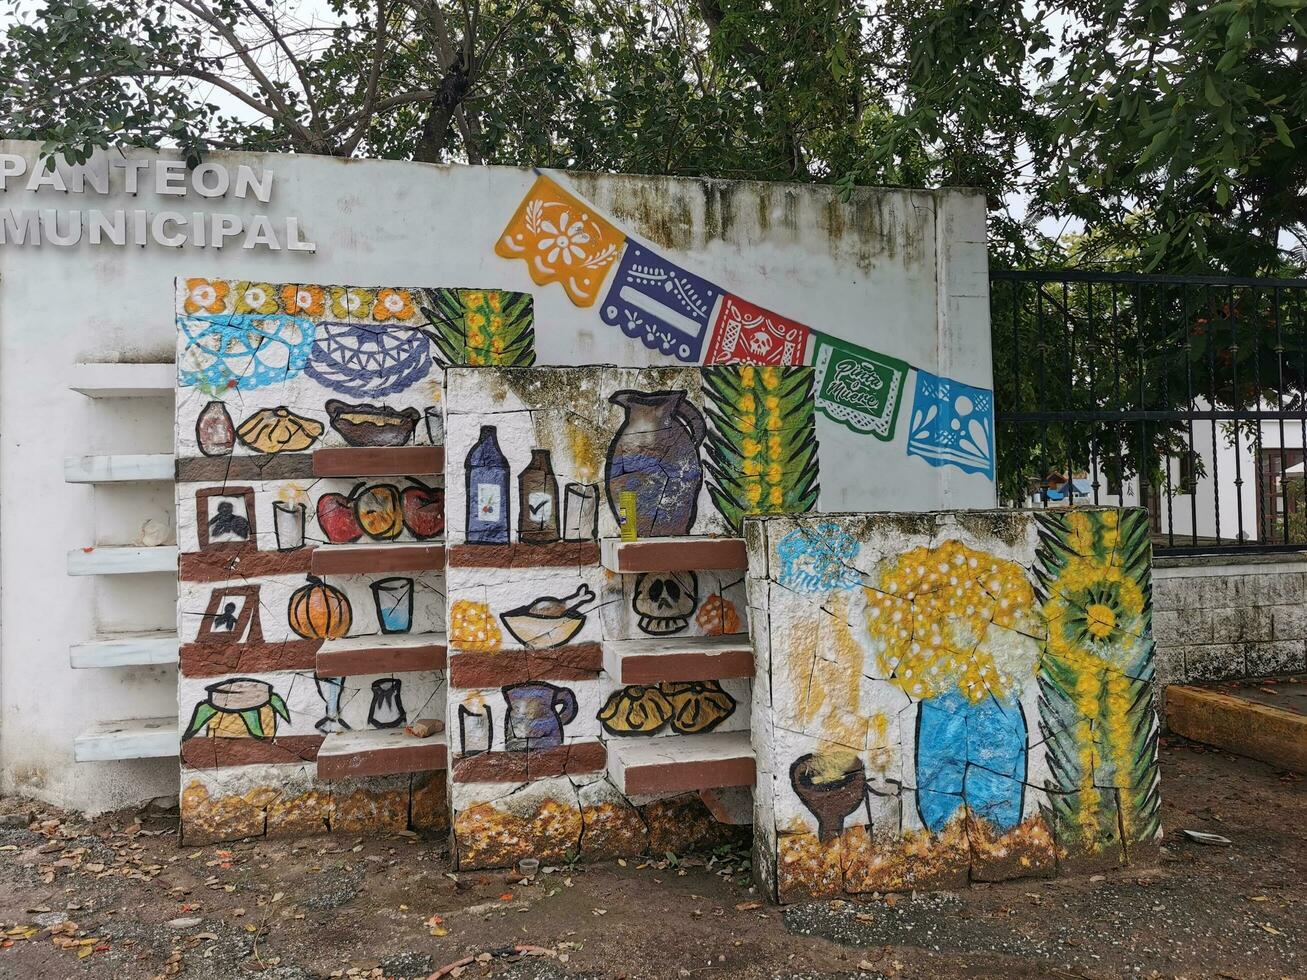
<point x="1187" y="395"/>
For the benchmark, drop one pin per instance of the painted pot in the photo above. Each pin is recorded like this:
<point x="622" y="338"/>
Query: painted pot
<point x="655" y="455"/>
<point x="536" y="714"/>
<point x="830" y="796"/>
<point x="973" y="753"/>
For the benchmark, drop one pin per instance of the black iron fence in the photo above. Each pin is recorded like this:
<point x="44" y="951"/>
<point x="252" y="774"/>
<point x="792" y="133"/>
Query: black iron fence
<point x="1186" y="395"/>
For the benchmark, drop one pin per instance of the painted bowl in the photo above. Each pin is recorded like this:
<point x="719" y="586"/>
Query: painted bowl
<point x="372" y="425"/>
<point x="542" y="632"/>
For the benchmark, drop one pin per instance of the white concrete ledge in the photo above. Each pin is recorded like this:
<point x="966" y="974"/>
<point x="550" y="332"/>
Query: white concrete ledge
<point x="127" y="468"/>
<point x="115" y="560"/>
<point x="124" y="380"/>
<point x="1206" y="566"/>
<point x="125" y="650"/>
<point x="681" y="763"/>
<point x="139" y="738"/>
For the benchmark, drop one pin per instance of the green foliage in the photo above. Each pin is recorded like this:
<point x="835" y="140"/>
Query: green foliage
<point x="199" y="718"/>
<point x="762" y="441"/>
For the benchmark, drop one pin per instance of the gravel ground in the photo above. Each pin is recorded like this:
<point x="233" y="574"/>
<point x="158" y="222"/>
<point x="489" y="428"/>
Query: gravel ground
<point x="116" y="898"/>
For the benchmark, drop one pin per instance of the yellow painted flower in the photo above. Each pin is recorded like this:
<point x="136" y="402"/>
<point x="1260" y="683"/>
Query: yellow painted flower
<point x="205" y="295"/>
<point x="393" y="304"/>
<point x="951" y="617"/>
<point x="303" y="300"/>
<point x="256" y="297"/>
<point x="348" y="302"/>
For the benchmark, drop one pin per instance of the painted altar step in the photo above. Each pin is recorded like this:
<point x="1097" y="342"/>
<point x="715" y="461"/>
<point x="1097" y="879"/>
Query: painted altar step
<point x="651" y="660"/>
<point x="127" y="649"/>
<point x="122" y="560"/>
<point x="379" y="461"/>
<point x="107" y="380"/>
<point x="681" y="763"/>
<point x="382" y="653"/>
<point x="379" y="752"/>
<point x="119" y="468"/>
<point x="692" y="553"/>
<point x="139" y="738"/>
<point x="360" y="559"/>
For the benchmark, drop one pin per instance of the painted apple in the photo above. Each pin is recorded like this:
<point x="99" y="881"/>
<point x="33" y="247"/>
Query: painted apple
<point x="424" y="509"/>
<point x="337" y="520"/>
<point x="377" y="510"/>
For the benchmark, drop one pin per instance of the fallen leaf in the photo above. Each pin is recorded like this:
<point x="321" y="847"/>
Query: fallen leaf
<point x="1267" y="927"/>
<point x="748" y="906"/>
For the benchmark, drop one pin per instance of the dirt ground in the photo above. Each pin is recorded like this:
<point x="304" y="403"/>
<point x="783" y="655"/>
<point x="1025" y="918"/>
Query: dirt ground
<point x="117" y="898"/>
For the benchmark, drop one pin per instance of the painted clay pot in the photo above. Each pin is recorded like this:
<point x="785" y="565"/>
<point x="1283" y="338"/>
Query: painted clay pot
<point x="831" y="800"/>
<point x="655" y="455"/>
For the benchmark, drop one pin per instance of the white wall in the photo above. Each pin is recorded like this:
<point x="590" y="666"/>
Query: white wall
<point x="902" y="272"/>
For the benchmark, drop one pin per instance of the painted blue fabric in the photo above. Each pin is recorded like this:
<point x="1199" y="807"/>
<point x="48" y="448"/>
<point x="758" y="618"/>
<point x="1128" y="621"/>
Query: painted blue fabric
<point x="952" y="424"/>
<point x="242" y="350"/>
<point x="660" y="304"/>
<point x="974" y="753"/>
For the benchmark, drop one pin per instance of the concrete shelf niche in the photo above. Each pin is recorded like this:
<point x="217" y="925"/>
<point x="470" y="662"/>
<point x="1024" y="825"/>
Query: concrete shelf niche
<point x="382" y="654"/>
<point x="679" y="658"/>
<point x="122" y="560"/>
<point x="363" y="559"/>
<point x="692" y="553"/>
<point x="379" y="461"/>
<point x="681" y="763"/>
<point x="134" y="649"/>
<point x="380" y="752"/>
<point x="139" y="738"/>
<point x="119" y="468"/>
<point x="124" y="380"/>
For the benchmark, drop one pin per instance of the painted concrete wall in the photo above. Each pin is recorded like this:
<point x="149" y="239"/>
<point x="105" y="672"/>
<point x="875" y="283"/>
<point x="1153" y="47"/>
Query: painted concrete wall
<point x="899" y="272"/>
<point x="950" y="697"/>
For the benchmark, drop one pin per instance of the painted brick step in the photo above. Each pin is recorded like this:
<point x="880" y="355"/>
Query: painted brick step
<point x="382" y="654"/>
<point x="140" y="738"/>
<point x="125" y="649"/>
<point x="379" y="461"/>
<point x="119" y="468"/>
<point x="572" y="759"/>
<point x="114" y="560"/>
<point x="357" y="559"/>
<point x="124" y="380"/>
<point x="674" y="554"/>
<point x="346" y="755"/>
<point x="681" y="763"/>
<point x="690" y="658"/>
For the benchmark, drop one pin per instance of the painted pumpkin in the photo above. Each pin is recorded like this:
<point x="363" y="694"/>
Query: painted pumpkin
<point x="635" y="711"/>
<point x="380" y="512"/>
<point x="698" y="706"/>
<point x="319" y="611"/>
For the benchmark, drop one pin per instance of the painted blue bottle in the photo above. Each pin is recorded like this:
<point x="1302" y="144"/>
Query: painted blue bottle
<point x="488" y="503"/>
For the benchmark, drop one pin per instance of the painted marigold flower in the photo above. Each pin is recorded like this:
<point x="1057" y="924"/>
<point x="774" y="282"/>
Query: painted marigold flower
<point x="563" y="238"/>
<point x="256" y="297"/>
<point x="350" y="302"/>
<point x="303" y="300"/>
<point x="206" y="295"/>
<point x="393" y="304"/>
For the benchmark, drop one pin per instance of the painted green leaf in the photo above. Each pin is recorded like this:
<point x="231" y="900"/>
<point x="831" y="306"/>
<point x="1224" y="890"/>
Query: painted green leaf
<point x="482" y="327"/>
<point x="199" y="718"/>
<point x="761" y="449"/>
<point x="279" y="705"/>
<point x="253" y="724"/>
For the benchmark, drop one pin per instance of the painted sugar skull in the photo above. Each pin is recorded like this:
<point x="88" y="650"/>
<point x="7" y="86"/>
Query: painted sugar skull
<point x="665" y="601"/>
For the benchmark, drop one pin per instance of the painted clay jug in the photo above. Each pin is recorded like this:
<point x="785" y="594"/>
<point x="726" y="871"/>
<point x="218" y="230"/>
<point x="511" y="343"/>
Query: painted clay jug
<point x="655" y="455"/>
<point x="536" y="714"/>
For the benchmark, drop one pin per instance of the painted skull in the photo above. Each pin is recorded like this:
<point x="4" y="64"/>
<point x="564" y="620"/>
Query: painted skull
<point x="665" y="601"/>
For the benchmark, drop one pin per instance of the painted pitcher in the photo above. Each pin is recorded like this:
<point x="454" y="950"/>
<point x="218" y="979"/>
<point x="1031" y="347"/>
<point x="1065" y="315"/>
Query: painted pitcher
<point x="655" y="455"/>
<point x="536" y="714"/>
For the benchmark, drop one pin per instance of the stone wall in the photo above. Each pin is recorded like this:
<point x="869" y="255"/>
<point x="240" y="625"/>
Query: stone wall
<point x="951" y="697"/>
<point x="1218" y="617"/>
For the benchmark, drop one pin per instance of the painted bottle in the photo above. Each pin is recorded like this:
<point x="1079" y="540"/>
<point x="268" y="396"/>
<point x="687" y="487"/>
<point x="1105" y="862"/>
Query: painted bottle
<point x="537" y="503"/>
<point x="488" y="505"/>
<point x="214" y="431"/>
